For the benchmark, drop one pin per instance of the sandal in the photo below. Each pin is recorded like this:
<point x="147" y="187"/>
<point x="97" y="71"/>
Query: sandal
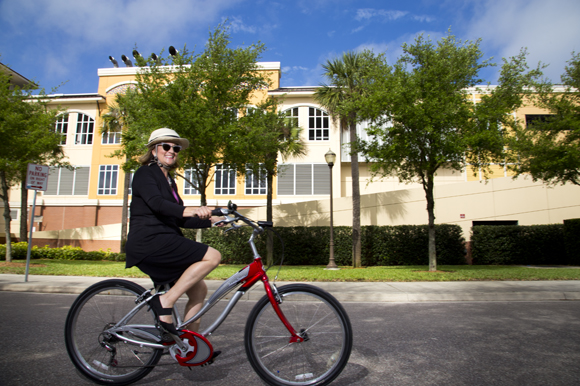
<point x="158" y="309"/>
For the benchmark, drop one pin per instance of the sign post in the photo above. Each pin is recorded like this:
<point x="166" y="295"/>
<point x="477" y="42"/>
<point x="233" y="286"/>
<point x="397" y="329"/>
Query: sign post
<point x="36" y="179"/>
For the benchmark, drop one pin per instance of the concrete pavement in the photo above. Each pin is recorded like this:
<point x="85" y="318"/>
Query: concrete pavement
<point x="347" y="291"/>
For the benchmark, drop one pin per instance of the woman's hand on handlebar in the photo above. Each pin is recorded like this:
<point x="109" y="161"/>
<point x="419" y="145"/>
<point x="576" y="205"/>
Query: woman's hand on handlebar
<point x="203" y="212"/>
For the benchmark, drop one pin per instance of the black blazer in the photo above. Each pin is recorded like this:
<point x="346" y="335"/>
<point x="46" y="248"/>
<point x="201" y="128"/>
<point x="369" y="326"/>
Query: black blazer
<point x="155" y="214"/>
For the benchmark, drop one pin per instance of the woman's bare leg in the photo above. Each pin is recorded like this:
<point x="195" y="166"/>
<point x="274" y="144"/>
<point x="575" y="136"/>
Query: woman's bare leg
<point x="189" y="280"/>
<point x="196" y="295"/>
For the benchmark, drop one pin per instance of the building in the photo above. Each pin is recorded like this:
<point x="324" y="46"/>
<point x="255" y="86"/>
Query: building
<point x="82" y="207"/>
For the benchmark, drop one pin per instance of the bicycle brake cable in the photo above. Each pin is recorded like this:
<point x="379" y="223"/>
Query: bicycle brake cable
<point x="282" y="254"/>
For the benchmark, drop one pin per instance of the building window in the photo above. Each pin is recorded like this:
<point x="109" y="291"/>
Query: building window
<point x="533" y="119"/>
<point x="256" y="183"/>
<point x="225" y="180"/>
<point x="65" y="182"/>
<point x="62" y="127"/>
<point x="189" y="188"/>
<point x="318" y="124"/>
<point x="111" y="137"/>
<point x="303" y="179"/>
<point x="108" y="176"/>
<point x="85" y="127"/>
<point x="292" y="116"/>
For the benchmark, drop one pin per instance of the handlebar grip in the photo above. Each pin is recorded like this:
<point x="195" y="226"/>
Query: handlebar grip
<point x="217" y="212"/>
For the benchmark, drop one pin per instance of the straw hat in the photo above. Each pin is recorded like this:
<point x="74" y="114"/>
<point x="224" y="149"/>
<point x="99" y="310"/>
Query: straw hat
<point x="166" y="135"/>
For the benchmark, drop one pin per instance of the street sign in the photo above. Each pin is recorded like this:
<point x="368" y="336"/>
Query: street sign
<point x="37" y="177"/>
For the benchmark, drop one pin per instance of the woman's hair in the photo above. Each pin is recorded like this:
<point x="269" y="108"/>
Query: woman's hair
<point x="148" y="158"/>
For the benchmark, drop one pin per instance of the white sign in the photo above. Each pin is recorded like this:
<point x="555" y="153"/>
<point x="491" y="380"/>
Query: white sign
<point x="37" y="177"/>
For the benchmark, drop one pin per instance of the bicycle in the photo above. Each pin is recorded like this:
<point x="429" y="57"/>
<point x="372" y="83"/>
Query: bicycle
<point x="297" y="334"/>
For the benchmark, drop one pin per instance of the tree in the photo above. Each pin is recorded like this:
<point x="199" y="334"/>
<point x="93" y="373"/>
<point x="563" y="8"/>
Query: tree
<point x="28" y="136"/>
<point x="549" y="148"/>
<point x="198" y="96"/>
<point x="267" y="133"/>
<point x="348" y="81"/>
<point x="424" y="119"/>
<point x="114" y="121"/>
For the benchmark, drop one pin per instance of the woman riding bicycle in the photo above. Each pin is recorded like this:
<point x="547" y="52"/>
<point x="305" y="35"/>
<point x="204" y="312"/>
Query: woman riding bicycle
<point x="155" y="243"/>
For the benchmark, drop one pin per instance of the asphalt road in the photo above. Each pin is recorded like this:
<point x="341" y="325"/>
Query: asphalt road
<point x="460" y="343"/>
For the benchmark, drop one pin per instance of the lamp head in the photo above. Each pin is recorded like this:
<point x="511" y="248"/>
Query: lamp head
<point x="330" y="157"/>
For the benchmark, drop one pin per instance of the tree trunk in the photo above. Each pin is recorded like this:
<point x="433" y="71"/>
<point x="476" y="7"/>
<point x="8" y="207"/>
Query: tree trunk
<point x="431" y="212"/>
<point x="24" y="212"/>
<point x="356" y="237"/>
<point x="269" y="216"/>
<point x="5" y="197"/>
<point x="124" y="211"/>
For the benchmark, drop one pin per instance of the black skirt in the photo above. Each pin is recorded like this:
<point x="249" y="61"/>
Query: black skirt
<point x="177" y="254"/>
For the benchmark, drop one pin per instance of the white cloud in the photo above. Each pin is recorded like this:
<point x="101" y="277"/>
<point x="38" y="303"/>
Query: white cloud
<point x="392" y="49"/>
<point x="105" y="21"/>
<point x="239" y="26"/>
<point x="368" y="13"/>
<point x="549" y="29"/>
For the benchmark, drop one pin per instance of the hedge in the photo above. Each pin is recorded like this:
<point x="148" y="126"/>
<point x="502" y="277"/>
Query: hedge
<point x="67" y="252"/>
<point x="572" y="240"/>
<point x="526" y="245"/>
<point x="380" y="245"/>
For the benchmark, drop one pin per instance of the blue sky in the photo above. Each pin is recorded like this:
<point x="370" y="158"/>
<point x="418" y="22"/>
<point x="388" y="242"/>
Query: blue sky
<point x="53" y="41"/>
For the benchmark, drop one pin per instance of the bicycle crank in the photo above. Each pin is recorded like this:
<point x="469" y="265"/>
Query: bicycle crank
<point x="197" y="351"/>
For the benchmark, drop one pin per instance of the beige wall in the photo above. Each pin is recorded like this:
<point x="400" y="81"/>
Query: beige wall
<point x="503" y="198"/>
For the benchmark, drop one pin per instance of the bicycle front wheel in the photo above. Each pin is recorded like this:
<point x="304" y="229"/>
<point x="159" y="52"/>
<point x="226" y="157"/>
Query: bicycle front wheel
<point x="101" y="357"/>
<point x="319" y="318"/>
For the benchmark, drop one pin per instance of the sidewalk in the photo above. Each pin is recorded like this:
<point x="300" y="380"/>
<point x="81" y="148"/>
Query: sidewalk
<point x="347" y="291"/>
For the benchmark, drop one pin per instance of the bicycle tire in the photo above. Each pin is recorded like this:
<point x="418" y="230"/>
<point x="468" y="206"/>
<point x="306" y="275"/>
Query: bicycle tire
<point x="312" y="312"/>
<point x="95" y="309"/>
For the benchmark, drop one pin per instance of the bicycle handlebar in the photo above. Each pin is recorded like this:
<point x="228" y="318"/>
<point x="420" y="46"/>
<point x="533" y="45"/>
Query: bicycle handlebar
<point x="232" y="210"/>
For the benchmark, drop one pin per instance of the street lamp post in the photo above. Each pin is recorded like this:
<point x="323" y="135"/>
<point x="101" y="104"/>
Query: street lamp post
<point x="330" y="158"/>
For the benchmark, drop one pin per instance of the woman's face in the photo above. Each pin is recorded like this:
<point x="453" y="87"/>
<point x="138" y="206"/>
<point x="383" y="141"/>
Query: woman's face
<point x="166" y="157"/>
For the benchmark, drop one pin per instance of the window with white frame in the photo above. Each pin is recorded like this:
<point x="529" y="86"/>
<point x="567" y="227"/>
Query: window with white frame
<point x="111" y="137"/>
<point x="108" y="179"/>
<point x="303" y="179"/>
<point x="190" y="175"/>
<point x="61" y="127"/>
<point x="256" y="182"/>
<point x="318" y="125"/>
<point x="85" y="128"/>
<point x="225" y="180"/>
<point x="292" y="116"/>
<point x="65" y="182"/>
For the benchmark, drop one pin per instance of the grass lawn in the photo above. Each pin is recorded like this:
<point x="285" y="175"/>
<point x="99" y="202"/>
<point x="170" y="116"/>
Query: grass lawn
<point x="311" y="273"/>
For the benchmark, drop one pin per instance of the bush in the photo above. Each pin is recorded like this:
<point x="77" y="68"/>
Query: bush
<point x="572" y="241"/>
<point x="67" y="252"/>
<point x="520" y="245"/>
<point x="380" y="245"/>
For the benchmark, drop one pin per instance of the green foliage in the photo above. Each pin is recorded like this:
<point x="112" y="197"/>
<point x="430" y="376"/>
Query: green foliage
<point x="381" y="245"/>
<point x="549" y="150"/>
<point x="67" y="252"/>
<point x="424" y="118"/>
<point x="522" y="245"/>
<point x="572" y="240"/>
<point x="198" y="96"/>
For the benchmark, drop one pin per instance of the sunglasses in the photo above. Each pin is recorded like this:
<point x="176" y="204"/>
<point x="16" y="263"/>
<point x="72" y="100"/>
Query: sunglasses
<point x="166" y="147"/>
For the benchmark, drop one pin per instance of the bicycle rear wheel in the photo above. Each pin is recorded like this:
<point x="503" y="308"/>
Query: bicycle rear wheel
<point x="319" y="318"/>
<point x="100" y="357"/>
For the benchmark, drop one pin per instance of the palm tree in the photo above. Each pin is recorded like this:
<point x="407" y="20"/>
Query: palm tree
<point x="347" y="86"/>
